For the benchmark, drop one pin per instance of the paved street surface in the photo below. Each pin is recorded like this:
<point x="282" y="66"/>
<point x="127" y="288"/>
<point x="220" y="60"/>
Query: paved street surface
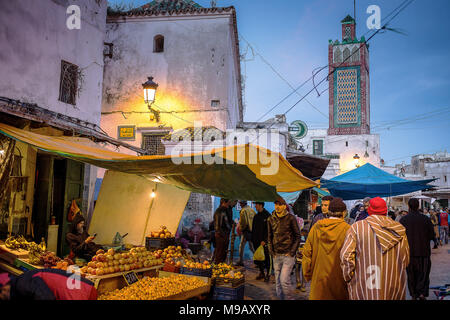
<point x="260" y="290"/>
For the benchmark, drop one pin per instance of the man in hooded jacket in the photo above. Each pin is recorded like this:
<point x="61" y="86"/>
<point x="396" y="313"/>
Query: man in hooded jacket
<point x="80" y="242"/>
<point x="320" y="262"/>
<point x="375" y="255"/>
<point x="283" y="237"/>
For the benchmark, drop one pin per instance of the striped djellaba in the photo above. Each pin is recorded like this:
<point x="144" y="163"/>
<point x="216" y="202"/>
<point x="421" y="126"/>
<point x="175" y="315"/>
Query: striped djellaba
<point x="374" y="258"/>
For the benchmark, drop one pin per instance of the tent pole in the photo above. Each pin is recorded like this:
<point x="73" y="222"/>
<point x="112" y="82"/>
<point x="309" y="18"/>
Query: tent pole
<point x="148" y="216"/>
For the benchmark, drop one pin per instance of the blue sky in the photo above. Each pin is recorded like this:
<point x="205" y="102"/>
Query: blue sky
<point x="410" y="74"/>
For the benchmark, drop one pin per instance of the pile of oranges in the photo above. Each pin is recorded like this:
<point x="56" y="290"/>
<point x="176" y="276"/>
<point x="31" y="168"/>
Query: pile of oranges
<point x="154" y="288"/>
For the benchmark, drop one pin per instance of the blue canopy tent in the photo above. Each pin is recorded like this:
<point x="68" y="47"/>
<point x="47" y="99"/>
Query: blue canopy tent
<point x="370" y="181"/>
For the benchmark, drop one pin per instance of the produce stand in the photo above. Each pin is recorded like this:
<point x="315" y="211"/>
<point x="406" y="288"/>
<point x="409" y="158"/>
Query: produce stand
<point x="8" y="268"/>
<point x="10" y="255"/>
<point x="25" y="265"/>
<point x="198" y="292"/>
<point x="112" y="281"/>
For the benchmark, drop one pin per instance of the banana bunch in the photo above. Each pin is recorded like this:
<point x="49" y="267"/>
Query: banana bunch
<point x="19" y="242"/>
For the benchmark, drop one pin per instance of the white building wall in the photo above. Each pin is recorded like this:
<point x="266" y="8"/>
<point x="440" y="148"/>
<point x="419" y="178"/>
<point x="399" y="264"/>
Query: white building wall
<point x="345" y="146"/>
<point x="439" y="170"/>
<point x="196" y="66"/>
<point x="34" y="39"/>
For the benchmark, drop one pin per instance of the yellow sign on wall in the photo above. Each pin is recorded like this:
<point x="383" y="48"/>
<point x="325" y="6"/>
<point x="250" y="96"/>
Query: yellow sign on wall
<point x="126" y="132"/>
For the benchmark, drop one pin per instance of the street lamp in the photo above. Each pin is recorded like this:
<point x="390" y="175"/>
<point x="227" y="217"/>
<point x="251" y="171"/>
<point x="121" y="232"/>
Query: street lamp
<point x="356" y="160"/>
<point x="149" y="96"/>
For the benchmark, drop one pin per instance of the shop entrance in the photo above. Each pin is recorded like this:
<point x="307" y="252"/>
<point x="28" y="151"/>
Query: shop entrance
<point x="58" y="182"/>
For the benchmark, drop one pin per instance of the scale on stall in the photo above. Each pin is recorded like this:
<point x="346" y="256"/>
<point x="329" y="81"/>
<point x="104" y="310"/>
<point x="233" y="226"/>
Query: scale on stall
<point x="117" y="243"/>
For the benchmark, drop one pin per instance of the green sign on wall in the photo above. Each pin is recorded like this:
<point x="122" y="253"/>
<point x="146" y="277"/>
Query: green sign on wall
<point x="300" y="128"/>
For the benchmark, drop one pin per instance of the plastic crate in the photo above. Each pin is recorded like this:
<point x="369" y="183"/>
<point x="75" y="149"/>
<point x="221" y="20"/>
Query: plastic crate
<point x="197" y="272"/>
<point x="223" y="293"/>
<point x="229" y="283"/>
<point x="158" y="243"/>
<point x="171" y="268"/>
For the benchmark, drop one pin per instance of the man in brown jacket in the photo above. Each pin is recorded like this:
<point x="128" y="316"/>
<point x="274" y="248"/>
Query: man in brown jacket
<point x="283" y="241"/>
<point x="321" y="263"/>
<point x="375" y="255"/>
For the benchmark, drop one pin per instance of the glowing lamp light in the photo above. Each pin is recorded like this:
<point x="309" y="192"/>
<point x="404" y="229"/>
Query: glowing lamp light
<point x="153" y="194"/>
<point x="356" y="160"/>
<point x="149" y="90"/>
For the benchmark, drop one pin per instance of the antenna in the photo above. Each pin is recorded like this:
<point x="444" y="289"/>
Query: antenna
<point x="354" y="10"/>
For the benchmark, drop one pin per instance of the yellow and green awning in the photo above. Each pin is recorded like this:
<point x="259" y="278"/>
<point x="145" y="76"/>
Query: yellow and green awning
<point x="237" y="172"/>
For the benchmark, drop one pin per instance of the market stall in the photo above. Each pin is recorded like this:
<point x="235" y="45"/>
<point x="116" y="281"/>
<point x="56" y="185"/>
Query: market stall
<point x="140" y="193"/>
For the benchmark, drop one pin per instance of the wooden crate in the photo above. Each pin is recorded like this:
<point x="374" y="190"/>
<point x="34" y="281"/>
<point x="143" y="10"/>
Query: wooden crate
<point x="113" y="281"/>
<point x="187" y="294"/>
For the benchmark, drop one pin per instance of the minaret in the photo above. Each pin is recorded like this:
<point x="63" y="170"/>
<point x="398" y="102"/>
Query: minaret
<point x="349" y="85"/>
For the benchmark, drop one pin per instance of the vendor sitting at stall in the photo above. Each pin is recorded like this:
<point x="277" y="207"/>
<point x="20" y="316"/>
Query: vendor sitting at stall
<point x="46" y="284"/>
<point x="80" y="242"/>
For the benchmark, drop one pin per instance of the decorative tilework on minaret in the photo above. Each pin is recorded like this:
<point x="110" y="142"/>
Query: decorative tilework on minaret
<point x="349" y="110"/>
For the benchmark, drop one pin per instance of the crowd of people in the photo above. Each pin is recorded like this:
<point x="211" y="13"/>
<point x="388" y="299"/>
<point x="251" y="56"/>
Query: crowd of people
<point x="369" y="253"/>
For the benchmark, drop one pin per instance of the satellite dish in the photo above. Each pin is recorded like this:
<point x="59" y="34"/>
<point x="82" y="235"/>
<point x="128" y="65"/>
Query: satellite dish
<point x="300" y="127"/>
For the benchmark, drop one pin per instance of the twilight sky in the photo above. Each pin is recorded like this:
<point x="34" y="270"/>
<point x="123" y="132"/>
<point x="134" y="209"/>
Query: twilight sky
<point x="409" y="74"/>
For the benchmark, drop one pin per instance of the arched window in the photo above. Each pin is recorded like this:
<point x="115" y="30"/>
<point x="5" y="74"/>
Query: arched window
<point x="346" y="54"/>
<point x="158" y="43"/>
<point x="337" y="55"/>
<point x="355" y="54"/>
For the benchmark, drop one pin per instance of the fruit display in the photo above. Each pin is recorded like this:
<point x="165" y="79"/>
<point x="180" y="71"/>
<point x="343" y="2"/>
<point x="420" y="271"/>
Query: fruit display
<point x="19" y="242"/>
<point x="172" y="255"/>
<point x="162" y="233"/>
<point x="49" y="259"/>
<point x="197" y="265"/>
<point x="223" y="270"/>
<point x="111" y="262"/>
<point x="64" y="264"/>
<point x="154" y="288"/>
<point x="35" y="252"/>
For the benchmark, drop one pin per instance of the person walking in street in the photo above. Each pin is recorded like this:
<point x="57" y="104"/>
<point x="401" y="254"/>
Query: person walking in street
<point x="222" y="230"/>
<point x="401" y="215"/>
<point x="435" y="222"/>
<point x="246" y="216"/>
<point x="375" y="255"/>
<point x="419" y="231"/>
<point x="443" y="223"/>
<point x="321" y="211"/>
<point x="363" y="214"/>
<point x="259" y="238"/>
<point x="283" y="236"/>
<point x="321" y="263"/>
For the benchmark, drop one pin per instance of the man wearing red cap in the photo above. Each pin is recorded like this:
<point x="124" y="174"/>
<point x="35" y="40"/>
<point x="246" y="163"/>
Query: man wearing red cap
<point x="375" y="255"/>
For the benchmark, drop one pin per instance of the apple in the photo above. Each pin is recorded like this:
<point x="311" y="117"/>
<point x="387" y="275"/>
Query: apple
<point x="127" y="267"/>
<point x="94" y="258"/>
<point x="111" y="252"/>
<point x="99" y="265"/>
<point x="109" y="257"/>
<point x="100" y="251"/>
<point x="116" y="268"/>
<point x="121" y="268"/>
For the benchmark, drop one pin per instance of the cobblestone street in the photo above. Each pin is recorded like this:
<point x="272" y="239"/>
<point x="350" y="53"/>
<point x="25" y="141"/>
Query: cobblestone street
<point x="260" y="290"/>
